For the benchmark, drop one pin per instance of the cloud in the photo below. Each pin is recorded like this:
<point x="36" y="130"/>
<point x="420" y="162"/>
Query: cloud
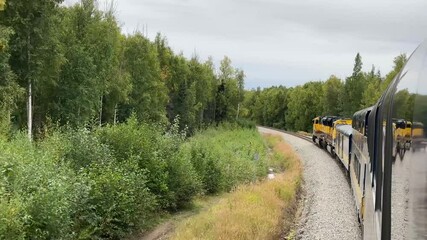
<point x="284" y="42"/>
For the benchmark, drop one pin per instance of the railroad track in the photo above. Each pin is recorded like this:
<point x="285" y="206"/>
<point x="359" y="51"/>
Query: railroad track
<point x="307" y="138"/>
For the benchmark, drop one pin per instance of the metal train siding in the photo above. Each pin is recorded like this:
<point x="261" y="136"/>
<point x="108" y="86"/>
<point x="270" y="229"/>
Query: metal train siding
<point x="385" y="153"/>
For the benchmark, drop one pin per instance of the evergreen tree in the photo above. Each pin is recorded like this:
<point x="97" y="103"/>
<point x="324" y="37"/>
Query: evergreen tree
<point x="353" y="89"/>
<point x="371" y="94"/>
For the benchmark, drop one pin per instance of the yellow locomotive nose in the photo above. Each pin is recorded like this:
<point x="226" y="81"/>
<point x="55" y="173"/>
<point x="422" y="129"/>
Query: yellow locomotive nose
<point x="2" y="4"/>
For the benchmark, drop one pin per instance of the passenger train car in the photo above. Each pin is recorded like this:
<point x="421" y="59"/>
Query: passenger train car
<point x="389" y="183"/>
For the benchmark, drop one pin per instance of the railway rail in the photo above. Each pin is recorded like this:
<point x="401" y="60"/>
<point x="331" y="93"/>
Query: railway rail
<point x="305" y="137"/>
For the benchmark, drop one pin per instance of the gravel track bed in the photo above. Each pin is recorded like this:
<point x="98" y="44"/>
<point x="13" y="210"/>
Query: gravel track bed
<point x="328" y="205"/>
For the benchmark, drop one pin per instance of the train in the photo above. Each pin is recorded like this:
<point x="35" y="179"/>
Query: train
<point x="383" y="149"/>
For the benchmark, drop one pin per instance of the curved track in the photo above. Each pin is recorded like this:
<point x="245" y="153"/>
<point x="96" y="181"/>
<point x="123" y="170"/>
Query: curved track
<point x="328" y="205"/>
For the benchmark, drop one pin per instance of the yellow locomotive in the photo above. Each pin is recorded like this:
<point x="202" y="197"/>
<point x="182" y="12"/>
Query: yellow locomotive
<point x="402" y="134"/>
<point x="418" y="140"/>
<point x="325" y="131"/>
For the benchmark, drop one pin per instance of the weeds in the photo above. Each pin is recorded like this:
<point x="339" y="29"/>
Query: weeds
<point x="260" y="210"/>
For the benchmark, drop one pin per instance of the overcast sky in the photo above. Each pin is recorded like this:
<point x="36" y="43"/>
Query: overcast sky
<point x="281" y="42"/>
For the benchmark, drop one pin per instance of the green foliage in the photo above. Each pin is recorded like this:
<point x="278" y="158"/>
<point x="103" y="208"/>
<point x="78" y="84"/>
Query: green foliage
<point x="267" y="107"/>
<point x="43" y="190"/>
<point x="225" y="157"/>
<point x="294" y="108"/>
<point x="353" y="89"/>
<point x="10" y="92"/>
<point x="229" y="95"/>
<point x="118" y="201"/>
<point x="399" y="62"/>
<point x="33" y="46"/>
<point x="139" y="143"/>
<point x="109" y="192"/>
<point x="11" y="223"/>
<point x="170" y="176"/>
<point x="371" y="93"/>
<point x="83" y="149"/>
<point x="148" y="95"/>
<point x="83" y="71"/>
<point x="332" y="90"/>
<point x="77" y="184"/>
<point x="246" y="123"/>
<point x="305" y="103"/>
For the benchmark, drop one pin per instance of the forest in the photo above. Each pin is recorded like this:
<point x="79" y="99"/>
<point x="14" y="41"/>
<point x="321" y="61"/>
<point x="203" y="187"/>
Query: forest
<point x="73" y="66"/>
<point x="294" y="108"/>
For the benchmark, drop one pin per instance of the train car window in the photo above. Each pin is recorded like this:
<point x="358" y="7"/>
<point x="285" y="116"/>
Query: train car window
<point x="324" y="121"/>
<point x="350" y="147"/>
<point x="400" y="124"/>
<point x="366" y="123"/>
<point x="328" y="121"/>
<point x="378" y="143"/>
<point x="342" y="147"/>
<point x="371" y="139"/>
<point x="356" y="166"/>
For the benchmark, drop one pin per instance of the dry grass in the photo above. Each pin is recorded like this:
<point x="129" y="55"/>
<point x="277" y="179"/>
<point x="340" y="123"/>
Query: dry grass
<point x="262" y="210"/>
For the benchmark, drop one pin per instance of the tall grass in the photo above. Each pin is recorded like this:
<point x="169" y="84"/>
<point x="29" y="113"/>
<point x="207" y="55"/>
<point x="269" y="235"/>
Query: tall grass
<point x="225" y="157"/>
<point x="261" y="210"/>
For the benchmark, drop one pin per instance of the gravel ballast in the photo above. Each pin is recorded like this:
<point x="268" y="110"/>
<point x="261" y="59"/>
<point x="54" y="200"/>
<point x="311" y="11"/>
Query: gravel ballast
<point x="328" y="205"/>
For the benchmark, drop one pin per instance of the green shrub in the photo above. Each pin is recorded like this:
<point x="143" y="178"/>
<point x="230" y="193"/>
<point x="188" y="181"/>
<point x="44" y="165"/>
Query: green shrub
<point x="207" y="168"/>
<point x="11" y="221"/>
<point x="246" y="123"/>
<point x="85" y="149"/>
<point x="227" y="156"/>
<point x="42" y="190"/>
<point x="182" y="179"/>
<point x="118" y="201"/>
<point x="113" y="198"/>
<point x="62" y="189"/>
<point x="169" y="176"/>
<point x="76" y="184"/>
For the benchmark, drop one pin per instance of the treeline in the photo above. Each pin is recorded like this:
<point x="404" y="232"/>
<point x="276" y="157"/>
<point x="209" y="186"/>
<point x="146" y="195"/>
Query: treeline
<point x="72" y="65"/>
<point x="294" y="108"/>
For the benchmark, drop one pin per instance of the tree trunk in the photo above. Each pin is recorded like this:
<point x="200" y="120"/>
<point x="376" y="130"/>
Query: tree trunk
<point x="100" y="112"/>
<point x="30" y="93"/>
<point x="115" y="114"/>
<point x="201" y="117"/>
<point x="30" y="111"/>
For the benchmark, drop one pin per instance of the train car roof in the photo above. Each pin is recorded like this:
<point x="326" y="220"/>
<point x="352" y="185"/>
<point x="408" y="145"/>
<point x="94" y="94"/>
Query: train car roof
<point x="347" y="130"/>
<point x="363" y="111"/>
